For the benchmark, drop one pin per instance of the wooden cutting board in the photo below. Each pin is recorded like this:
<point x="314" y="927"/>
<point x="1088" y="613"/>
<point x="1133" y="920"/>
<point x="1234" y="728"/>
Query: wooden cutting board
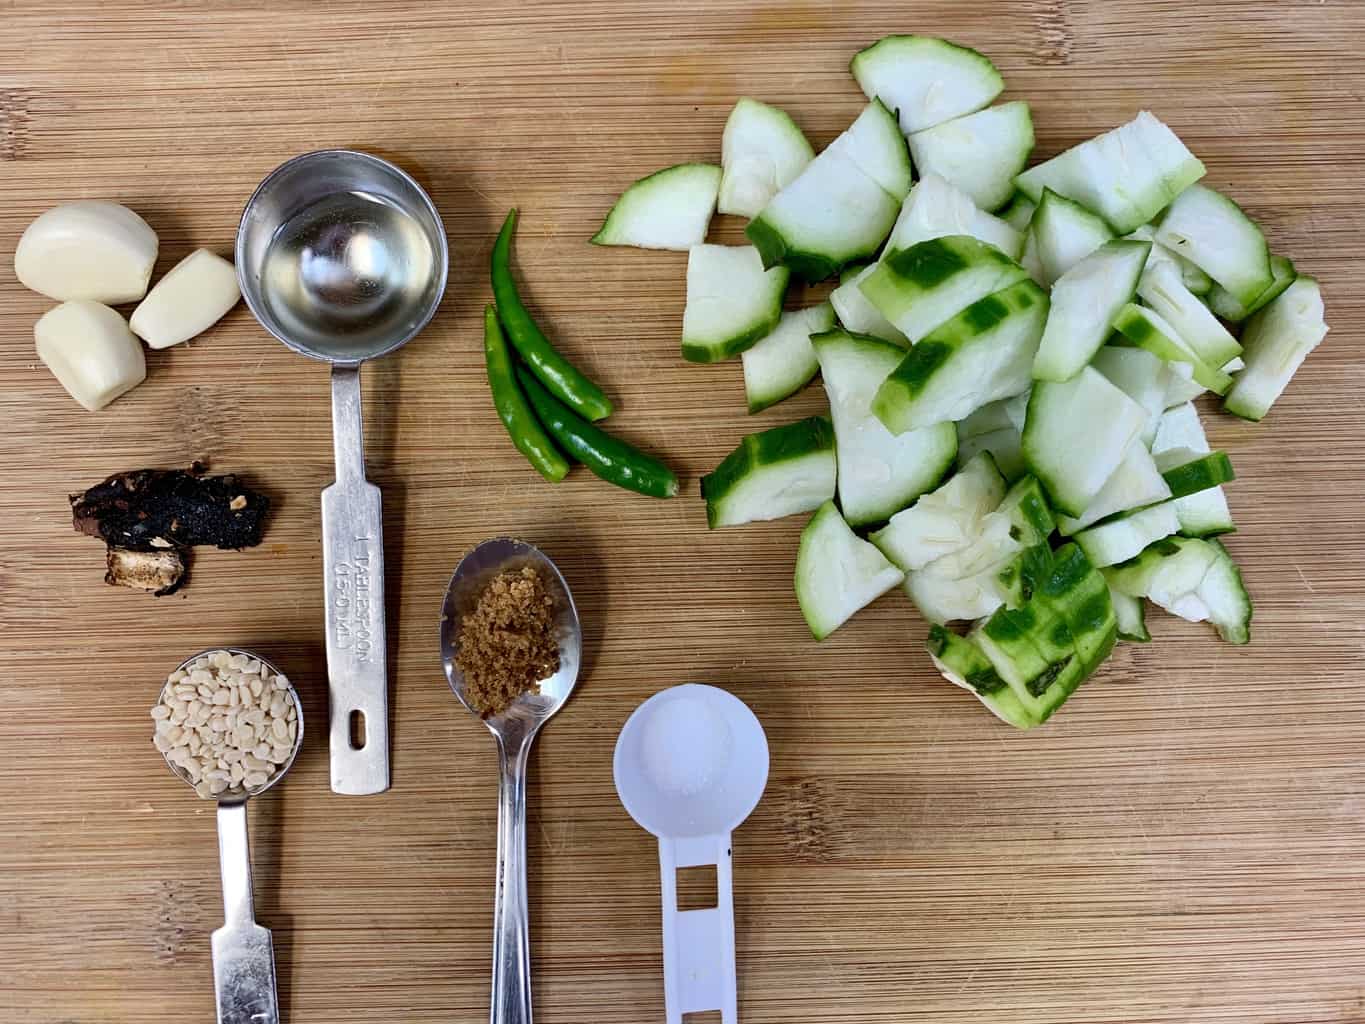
<point x="1182" y="844"/>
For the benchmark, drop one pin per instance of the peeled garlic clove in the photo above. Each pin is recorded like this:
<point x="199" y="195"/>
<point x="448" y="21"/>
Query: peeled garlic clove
<point x="92" y="249"/>
<point x="90" y="350"/>
<point x="191" y="298"/>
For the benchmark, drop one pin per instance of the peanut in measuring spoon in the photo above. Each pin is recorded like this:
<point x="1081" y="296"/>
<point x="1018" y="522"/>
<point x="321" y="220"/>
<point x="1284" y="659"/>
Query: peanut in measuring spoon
<point x="232" y="707"/>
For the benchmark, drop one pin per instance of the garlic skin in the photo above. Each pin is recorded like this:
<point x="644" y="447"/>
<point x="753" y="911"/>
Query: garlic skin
<point x="192" y="297"/>
<point x="92" y="249"/>
<point x="90" y="350"/>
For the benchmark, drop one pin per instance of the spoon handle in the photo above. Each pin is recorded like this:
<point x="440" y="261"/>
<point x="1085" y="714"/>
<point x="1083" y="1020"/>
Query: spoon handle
<point x="243" y="953"/>
<point x="353" y="585"/>
<point x="699" y="945"/>
<point x="511" y="1002"/>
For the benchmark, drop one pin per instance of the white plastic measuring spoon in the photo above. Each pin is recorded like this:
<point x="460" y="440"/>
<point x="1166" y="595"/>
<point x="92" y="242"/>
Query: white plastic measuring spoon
<point x="690" y="766"/>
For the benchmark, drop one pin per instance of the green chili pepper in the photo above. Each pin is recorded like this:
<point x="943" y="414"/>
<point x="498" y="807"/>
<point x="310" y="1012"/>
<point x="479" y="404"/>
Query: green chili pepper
<point x="555" y="372"/>
<point x="516" y="415"/>
<point x="611" y="459"/>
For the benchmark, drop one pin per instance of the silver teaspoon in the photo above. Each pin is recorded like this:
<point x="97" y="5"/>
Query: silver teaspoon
<point x="515" y="730"/>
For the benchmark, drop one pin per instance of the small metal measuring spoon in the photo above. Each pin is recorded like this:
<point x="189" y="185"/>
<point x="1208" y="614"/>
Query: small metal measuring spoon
<point x="515" y="729"/>
<point x="691" y="764"/>
<point x="243" y="952"/>
<point x="343" y="257"/>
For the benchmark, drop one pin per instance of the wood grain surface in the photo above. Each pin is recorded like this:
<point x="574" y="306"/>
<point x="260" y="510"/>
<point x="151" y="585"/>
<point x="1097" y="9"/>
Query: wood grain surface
<point x="1184" y="843"/>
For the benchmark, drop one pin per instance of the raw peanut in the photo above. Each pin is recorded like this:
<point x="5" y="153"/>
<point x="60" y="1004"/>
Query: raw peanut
<point x="217" y="745"/>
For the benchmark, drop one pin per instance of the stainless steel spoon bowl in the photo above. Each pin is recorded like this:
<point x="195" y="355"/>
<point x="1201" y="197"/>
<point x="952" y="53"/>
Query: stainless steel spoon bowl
<point x="515" y="730"/>
<point x="243" y="951"/>
<point x="342" y="256"/>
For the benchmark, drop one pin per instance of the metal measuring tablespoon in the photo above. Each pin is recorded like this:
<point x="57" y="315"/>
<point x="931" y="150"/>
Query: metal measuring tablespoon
<point x="343" y="257"/>
<point x="515" y="729"/>
<point x="243" y="953"/>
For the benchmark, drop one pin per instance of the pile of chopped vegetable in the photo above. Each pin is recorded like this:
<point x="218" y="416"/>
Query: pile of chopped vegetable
<point x="1010" y="358"/>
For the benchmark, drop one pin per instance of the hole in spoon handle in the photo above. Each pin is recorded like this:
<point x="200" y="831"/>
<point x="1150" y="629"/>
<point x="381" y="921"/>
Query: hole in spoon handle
<point x="353" y="582"/>
<point x="357" y="729"/>
<point x="699" y="945"/>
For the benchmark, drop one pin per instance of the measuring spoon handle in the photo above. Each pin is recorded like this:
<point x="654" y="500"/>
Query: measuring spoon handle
<point x="353" y="583"/>
<point x="699" y="945"/>
<point x="511" y="1001"/>
<point x="243" y="953"/>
